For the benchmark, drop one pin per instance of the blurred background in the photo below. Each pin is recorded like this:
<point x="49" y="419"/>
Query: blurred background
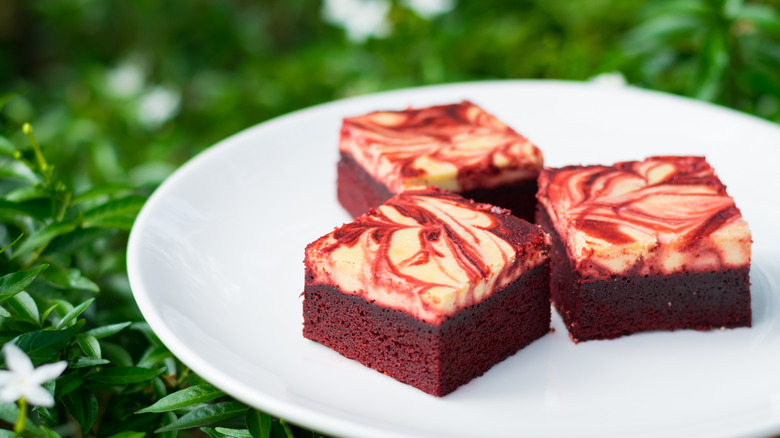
<point x="125" y="91"/>
<point x="121" y="93"/>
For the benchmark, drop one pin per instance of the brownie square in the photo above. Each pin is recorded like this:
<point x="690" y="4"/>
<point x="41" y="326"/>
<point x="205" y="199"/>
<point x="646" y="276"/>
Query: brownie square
<point x="645" y="245"/>
<point x="456" y="147"/>
<point x="430" y="288"/>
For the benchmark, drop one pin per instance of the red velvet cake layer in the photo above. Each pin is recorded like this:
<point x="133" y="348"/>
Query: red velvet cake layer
<point x="434" y="358"/>
<point x="519" y="198"/>
<point x="358" y="192"/>
<point x="617" y="305"/>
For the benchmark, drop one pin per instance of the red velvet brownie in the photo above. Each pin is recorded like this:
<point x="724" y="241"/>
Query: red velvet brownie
<point x="458" y="147"/>
<point x="429" y="288"/>
<point x="644" y="245"/>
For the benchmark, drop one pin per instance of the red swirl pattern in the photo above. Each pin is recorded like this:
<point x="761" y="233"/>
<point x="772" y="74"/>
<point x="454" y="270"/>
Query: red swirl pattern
<point x="641" y="211"/>
<point x="403" y="148"/>
<point x="427" y="252"/>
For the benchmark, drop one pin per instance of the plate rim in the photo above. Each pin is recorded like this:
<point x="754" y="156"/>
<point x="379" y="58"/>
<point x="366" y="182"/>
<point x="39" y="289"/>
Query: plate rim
<point x="309" y="418"/>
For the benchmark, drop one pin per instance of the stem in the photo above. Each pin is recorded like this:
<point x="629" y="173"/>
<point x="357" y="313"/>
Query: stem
<point x="21" y="422"/>
<point x="12" y="243"/>
<point x="42" y="164"/>
<point x="64" y="206"/>
<point x="46" y="172"/>
<point x="286" y="428"/>
<point x="182" y="377"/>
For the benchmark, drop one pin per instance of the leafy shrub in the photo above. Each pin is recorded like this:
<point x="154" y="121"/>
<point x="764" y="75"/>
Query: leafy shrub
<point x="121" y="93"/>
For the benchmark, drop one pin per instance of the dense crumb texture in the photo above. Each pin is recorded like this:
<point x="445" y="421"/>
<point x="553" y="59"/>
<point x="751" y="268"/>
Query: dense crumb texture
<point x="437" y="359"/>
<point x="655" y="244"/>
<point x="458" y="147"/>
<point x="357" y="191"/>
<point x="618" y="305"/>
<point x="429" y="288"/>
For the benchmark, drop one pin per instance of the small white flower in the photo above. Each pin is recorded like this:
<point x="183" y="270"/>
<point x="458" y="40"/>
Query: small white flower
<point x="360" y="18"/>
<point x="125" y="80"/>
<point x="430" y="8"/>
<point x="22" y="380"/>
<point x="158" y="105"/>
<point x="613" y="79"/>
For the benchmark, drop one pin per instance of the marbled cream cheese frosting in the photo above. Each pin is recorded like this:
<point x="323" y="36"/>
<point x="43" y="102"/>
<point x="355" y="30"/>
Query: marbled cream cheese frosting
<point x="662" y="215"/>
<point x="455" y="147"/>
<point x="428" y="253"/>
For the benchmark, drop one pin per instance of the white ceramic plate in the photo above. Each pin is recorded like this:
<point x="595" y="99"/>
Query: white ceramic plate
<point x="215" y="263"/>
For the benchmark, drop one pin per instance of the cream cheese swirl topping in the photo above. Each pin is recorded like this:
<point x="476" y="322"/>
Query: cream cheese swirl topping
<point x="428" y="253"/>
<point x="455" y="147"/>
<point x="661" y="215"/>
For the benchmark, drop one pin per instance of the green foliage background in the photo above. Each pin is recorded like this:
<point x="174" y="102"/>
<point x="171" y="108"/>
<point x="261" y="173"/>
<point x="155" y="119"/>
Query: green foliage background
<point x="81" y="71"/>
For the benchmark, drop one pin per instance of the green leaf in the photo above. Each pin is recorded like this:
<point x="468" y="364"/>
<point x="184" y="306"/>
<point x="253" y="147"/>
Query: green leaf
<point x="27" y="193"/>
<point x="153" y="356"/>
<point x="92" y="410"/>
<point x="7" y="97"/>
<point x="131" y="422"/>
<point x="206" y="415"/>
<point x="4" y="313"/>
<point x="48" y="311"/>
<point x="76" y="239"/>
<point x="234" y="433"/>
<point x="85" y="362"/>
<point x="80" y="282"/>
<point x="147" y="331"/>
<point x="48" y="433"/>
<point x="681" y="7"/>
<point x="286" y="428"/>
<point x="128" y="434"/>
<point x="63" y="307"/>
<point x="73" y="314"/>
<point x="70" y="279"/>
<point x="16" y="282"/>
<point x="10" y="210"/>
<point x="7" y="148"/>
<point x="258" y="423"/>
<point x="3" y="249"/>
<point x="42" y="345"/>
<point x="46" y="415"/>
<point x="89" y="345"/>
<point x="211" y="432"/>
<point x="108" y="330"/>
<point x="83" y="406"/>
<point x="168" y="419"/>
<point x="114" y="223"/>
<point x="183" y="398"/>
<point x="38" y="208"/>
<point x="42" y="237"/>
<point x="9" y="412"/>
<point x="764" y="17"/>
<point x="713" y="66"/>
<point x="25" y="306"/>
<point x="118" y="355"/>
<point x="118" y="208"/>
<point x="27" y="189"/>
<point x="67" y="383"/>
<point x="123" y="375"/>
<point x="662" y="31"/>
<point x="158" y="387"/>
<point x="101" y="190"/>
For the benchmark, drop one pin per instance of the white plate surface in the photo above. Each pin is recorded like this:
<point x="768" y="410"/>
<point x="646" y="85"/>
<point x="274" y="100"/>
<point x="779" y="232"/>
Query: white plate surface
<point x="215" y="264"/>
